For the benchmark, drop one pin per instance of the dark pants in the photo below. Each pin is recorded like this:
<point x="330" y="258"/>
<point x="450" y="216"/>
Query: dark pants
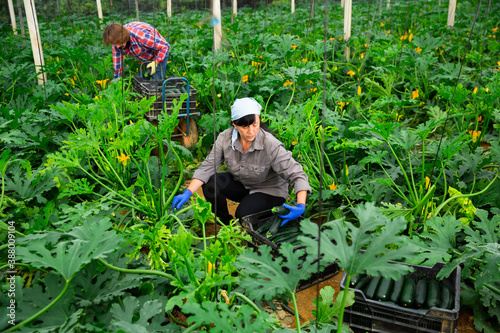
<point x="228" y="188"/>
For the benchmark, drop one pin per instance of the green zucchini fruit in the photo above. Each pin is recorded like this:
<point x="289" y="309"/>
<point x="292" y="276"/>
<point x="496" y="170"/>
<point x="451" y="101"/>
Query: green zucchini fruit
<point x="372" y="287"/>
<point x="408" y="294"/>
<point x="384" y="289"/>
<point x="433" y="294"/>
<point x="263" y="228"/>
<point x="275" y="225"/>
<point x="279" y="210"/>
<point x="446" y="297"/>
<point x="285" y="231"/>
<point x="355" y="278"/>
<point x="397" y="290"/>
<point x="421" y="293"/>
<point x="362" y="283"/>
<point x="289" y="238"/>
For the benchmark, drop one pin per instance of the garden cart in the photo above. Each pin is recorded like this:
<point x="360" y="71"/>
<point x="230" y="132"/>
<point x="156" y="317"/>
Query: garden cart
<point x="166" y="91"/>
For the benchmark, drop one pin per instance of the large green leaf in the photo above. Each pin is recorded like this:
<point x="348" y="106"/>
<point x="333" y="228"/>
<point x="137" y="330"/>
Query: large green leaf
<point x="134" y="316"/>
<point x="327" y="309"/>
<point x="92" y="240"/>
<point x="366" y="248"/>
<point x="265" y="277"/>
<point x="224" y="319"/>
<point x="436" y="243"/>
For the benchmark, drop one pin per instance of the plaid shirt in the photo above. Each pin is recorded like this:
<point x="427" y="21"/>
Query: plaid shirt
<point x="146" y="44"/>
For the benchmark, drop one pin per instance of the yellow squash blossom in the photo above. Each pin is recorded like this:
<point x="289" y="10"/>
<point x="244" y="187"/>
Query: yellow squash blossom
<point x="427" y="182"/>
<point x="359" y="90"/>
<point x="418" y="49"/>
<point x="244" y="78"/>
<point x="351" y="73"/>
<point x="333" y="187"/>
<point x="475" y="90"/>
<point x="123" y="159"/>
<point x="342" y="104"/>
<point x="415" y="94"/>
<point x="294" y="46"/>
<point x="346" y="170"/>
<point x="495" y="29"/>
<point x="410" y="37"/>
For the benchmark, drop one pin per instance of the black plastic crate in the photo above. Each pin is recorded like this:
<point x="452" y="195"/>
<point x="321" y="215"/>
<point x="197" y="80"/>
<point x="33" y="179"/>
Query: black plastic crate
<point x="367" y="315"/>
<point x="253" y="222"/>
<point x="174" y="88"/>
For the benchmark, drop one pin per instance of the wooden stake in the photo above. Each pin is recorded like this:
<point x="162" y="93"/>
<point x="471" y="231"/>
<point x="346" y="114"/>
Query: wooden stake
<point x="36" y="44"/>
<point x="347" y="25"/>
<point x="12" y="17"/>
<point x="342" y="4"/>
<point x="137" y="10"/>
<point x="388" y="3"/>
<point x="217" y="27"/>
<point x="20" y="13"/>
<point x="293" y="6"/>
<point x="169" y="8"/>
<point x="451" y="13"/>
<point x="99" y="10"/>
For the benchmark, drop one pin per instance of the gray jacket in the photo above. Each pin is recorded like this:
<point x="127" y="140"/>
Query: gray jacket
<point x="266" y="167"/>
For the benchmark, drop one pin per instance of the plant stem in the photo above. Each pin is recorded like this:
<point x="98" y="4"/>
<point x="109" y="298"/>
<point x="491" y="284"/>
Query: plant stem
<point x="297" y="319"/>
<point x="42" y="311"/>
<point x="342" y="305"/>
<point x="137" y="271"/>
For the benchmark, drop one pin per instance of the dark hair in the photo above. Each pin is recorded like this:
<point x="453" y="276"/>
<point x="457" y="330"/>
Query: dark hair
<point x="249" y="120"/>
<point x="245" y="120"/>
<point x="115" y="33"/>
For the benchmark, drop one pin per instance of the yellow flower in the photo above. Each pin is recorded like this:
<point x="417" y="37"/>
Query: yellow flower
<point x="102" y="82"/>
<point x="382" y="24"/>
<point x="410" y="37"/>
<point x="244" y="78"/>
<point x="362" y="55"/>
<point x="359" y="90"/>
<point x="475" y="90"/>
<point x="399" y="204"/>
<point x="418" y="49"/>
<point x="388" y="32"/>
<point x="332" y="38"/>
<point x="219" y="95"/>
<point x="342" y="104"/>
<point x="294" y="143"/>
<point x="479" y="118"/>
<point x="335" y="68"/>
<point x="351" y="73"/>
<point x="294" y="46"/>
<point x="427" y="182"/>
<point x="415" y="94"/>
<point x="333" y="187"/>
<point x="123" y="159"/>
<point x="304" y="60"/>
<point x="404" y="37"/>
<point x="232" y="54"/>
<point x="107" y="168"/>
<point x="398" y="116"/>
<point x="346" y="170"/>
<point x="184" y="74"/>
<point x="110" y="139"/>
<point x="475" y="134"/>
<point x="495" y="29"/>
<point x="57" y="58"/>
<point x="287" y="83"/>
<point x="131" y="122"/>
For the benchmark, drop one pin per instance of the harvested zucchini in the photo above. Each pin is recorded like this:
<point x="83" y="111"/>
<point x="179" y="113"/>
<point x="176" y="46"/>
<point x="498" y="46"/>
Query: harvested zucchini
<point x="372" y="287"/>
<point x="446" y="297"/>
<point x="384" y="289"/>
<point x="362" y="283"/>
<point x="355" y="278"/>
<point x="278" y="210"/>
<point x="263" y="228"/>
<point x="408" y="294"/>
<point x="421" y="293"/>
<point x="397" y="290"/>
<point x="433" y="294"/>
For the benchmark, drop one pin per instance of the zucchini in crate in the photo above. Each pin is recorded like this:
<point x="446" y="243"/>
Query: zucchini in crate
<point x="397" y="290"/>
<point x="421" y="293"/>
<point x="433" y="294"/>
<point x="408" y="294"/>
<point x="372" y="287"/>
<point x="446" y="296"/>
<point x="384" y="289"/>
<point x="278" y="210"/>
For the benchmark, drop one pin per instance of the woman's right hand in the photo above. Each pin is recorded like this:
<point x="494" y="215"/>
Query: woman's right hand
<point x="181" y="199"/>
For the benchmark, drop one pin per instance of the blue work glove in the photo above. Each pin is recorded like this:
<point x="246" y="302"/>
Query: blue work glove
<point x="181" y="199"/>
<point x="295" y="211"/>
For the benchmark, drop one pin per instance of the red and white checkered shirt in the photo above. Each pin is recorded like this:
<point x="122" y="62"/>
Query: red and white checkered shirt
<point x="146" y="44"/>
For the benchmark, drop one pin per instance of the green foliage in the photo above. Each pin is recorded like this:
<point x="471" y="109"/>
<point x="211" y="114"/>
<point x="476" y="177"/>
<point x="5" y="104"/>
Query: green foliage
<point x="265" y="277"/>
<point x="327" y="309"/>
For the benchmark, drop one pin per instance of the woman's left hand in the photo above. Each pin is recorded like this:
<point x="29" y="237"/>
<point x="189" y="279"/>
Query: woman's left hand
<point x="295" y="212"/>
